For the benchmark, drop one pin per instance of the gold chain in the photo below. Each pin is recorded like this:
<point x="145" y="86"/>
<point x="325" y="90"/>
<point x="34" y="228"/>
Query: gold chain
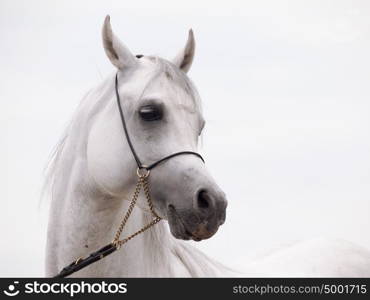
<point x="142" y="183"/>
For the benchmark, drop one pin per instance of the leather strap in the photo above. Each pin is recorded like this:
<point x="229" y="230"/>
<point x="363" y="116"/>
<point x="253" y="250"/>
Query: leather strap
<point x="84" y="262"/>
<point x="110" y="248"/>
<point x="136" y="157"/>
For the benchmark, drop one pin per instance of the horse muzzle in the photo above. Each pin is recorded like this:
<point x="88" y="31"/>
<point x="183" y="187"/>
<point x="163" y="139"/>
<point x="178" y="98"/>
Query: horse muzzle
<point x="200" y="221"/>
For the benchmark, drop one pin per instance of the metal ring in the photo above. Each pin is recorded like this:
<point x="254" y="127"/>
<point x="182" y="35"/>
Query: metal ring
<point x="142" y="172"/>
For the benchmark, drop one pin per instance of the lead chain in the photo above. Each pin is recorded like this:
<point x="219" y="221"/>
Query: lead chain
<point x="142" y="183"/>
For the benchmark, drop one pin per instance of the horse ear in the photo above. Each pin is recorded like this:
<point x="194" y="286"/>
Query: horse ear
<point x="185" y="58"/>
<point x="118" y="53"/>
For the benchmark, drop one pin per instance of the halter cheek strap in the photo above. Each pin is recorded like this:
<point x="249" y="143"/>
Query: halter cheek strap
<point x="143" y="183"/>
<point x="136" y="157"/>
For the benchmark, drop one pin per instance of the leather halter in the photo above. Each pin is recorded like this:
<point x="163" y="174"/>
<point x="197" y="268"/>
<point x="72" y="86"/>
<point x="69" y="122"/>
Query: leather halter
<point x="106" y="250"/>
<point x="137" y="159"/>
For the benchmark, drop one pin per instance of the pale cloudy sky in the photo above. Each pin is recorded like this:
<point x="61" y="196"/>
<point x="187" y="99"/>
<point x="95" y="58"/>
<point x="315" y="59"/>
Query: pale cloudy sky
<point x="286" y="98"/>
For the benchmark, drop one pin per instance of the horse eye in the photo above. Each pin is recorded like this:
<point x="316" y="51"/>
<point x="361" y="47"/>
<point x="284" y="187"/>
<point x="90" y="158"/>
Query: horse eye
<point x="150" y="112"/>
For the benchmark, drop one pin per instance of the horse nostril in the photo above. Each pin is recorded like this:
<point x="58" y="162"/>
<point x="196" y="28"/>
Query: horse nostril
<point x="203" y="199"/>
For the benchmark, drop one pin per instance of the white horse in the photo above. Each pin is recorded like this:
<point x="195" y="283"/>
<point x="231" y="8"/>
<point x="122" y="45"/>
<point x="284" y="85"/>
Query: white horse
<point x="93" y="173"/>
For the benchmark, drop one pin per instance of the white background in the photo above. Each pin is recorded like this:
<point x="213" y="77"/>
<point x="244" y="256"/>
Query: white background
<point x="285" y="87"/>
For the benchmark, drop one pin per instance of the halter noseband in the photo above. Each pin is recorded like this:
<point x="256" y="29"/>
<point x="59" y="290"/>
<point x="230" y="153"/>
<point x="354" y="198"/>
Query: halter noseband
<point x="137" y="159"/>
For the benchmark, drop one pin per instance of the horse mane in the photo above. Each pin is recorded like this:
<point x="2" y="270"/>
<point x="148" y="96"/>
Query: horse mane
<point x="92" y="102"/>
